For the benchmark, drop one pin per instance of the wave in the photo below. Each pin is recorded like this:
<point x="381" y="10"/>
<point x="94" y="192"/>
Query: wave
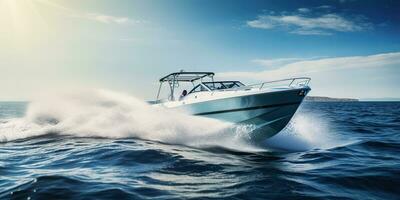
<point x="66" y="187"/>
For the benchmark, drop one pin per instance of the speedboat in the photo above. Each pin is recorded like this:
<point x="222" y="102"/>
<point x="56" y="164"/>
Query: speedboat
<point x="265" y="107"/>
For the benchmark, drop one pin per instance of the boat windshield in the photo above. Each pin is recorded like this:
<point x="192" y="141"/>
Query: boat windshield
<point x="198" y="88"/>
<point x="218" y="85"/>
<point x="221" y="85"/>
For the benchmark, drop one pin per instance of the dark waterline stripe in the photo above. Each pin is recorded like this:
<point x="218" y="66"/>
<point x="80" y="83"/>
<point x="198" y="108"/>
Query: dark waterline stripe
<point x="249" y="108"/>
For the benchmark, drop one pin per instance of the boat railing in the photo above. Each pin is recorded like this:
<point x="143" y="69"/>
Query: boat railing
<point x="289" y="82"/>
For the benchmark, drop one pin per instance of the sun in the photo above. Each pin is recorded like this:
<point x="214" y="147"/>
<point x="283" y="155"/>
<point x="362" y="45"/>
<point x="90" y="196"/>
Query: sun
<point x="20" y="19"/>
<point x="23" y="21"/>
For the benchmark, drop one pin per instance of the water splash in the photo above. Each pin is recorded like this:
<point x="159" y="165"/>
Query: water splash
<point x="305" y="132"/>
<point x="101" y="113"/>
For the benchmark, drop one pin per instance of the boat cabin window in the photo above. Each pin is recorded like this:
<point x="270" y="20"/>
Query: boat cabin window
<point x="233" y="84"/>
<point x="215" y="86"/>
<point x="223" y="85"/>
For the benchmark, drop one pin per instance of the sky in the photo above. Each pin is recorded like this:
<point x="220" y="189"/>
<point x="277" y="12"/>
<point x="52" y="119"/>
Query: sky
<point x="350" y="48"/>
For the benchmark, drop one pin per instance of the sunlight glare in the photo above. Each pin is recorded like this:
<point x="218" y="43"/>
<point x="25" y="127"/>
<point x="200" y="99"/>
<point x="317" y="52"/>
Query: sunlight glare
<point x="21" y="21"/>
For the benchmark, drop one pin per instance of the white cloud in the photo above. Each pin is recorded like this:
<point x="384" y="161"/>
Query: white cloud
<point x="93" y="16"/>
<point x="304" y="23"/>
<point x="370" y="76"/>
<point x="304" y="10"/>
<point x="274" y="63"/>
<point x="310" y="32"/>
<point x="260" y="23"/>
<point x="307" y="67"/>
<point x="107" y="19"/>
<point x="325" y="7"/>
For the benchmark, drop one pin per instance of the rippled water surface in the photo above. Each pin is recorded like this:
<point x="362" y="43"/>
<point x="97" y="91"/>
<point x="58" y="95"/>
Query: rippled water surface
<point x="330" y="151"/>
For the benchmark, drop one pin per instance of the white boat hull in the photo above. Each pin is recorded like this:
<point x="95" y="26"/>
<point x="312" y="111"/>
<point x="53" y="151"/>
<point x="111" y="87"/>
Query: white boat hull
<point x="265" y="112"/>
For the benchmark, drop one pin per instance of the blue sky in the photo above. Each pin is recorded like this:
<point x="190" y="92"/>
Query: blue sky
<point x="349" y="48"/>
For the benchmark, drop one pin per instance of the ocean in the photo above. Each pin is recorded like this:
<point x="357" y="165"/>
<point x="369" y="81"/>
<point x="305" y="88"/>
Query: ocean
<point x="113" y="146"/>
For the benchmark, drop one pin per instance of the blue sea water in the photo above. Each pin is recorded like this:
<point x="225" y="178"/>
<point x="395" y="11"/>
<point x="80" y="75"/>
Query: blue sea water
<point x="329" y="151"/>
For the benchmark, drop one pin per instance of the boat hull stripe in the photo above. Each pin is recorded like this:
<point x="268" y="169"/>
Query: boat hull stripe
<point x="249" y="108"/>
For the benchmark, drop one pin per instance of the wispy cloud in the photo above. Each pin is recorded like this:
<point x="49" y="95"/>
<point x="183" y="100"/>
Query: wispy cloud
<point x="310" y="32"/>
<point x="324" y="7"/>
<point x="304" y="22"/>
<point x="93" y="16"/>
<point x="307" y="67"/>
<point x="107" y="19"/>
<point x="304" y="10"/>
<point x="275" y="63"/>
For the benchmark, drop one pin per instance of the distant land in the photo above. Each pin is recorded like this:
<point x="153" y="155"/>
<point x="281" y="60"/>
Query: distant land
<point x="329" y="99"/>
<point x="381" y="99"/>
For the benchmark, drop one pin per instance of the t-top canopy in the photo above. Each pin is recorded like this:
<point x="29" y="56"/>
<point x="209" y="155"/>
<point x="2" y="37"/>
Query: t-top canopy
<point x="186" y="76"/>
